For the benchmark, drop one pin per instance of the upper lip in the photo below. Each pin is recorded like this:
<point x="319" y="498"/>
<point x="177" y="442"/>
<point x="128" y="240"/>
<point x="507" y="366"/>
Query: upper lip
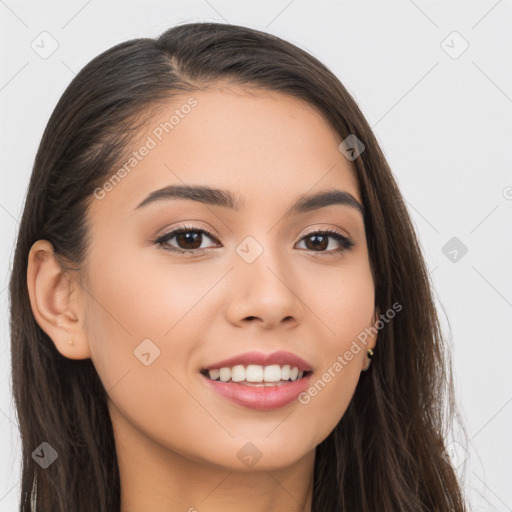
<point x="281" y="357"/>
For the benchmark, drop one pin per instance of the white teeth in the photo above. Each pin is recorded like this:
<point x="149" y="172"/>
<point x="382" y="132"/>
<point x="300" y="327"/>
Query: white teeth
<point x="256" y="373"/>
<point x="272" y="373"/>
<point x="225" y="374"/>
<point x="238" y="373"/>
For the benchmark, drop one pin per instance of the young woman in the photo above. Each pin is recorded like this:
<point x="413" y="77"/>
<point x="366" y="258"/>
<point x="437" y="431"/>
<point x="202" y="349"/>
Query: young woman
<point x="212" y="249"/>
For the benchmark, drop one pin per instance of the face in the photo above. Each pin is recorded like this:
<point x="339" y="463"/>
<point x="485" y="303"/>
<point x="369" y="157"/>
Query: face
<point x="246" y="276"/>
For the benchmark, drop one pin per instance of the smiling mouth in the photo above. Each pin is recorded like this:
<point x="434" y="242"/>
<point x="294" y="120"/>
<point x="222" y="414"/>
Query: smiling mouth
<point x="256" y="375"/>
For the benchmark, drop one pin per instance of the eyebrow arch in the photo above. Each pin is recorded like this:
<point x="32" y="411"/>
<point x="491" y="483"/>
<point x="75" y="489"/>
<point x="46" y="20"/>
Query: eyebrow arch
<point x="225" y="199"/>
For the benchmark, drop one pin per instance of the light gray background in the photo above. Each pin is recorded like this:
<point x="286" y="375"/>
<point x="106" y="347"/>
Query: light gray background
<point x="444" y="123"/>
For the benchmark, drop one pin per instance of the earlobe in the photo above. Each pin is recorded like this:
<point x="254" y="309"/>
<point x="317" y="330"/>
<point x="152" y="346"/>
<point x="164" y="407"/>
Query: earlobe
<point x="55" y="305"/>
<point x="370" y="347"/>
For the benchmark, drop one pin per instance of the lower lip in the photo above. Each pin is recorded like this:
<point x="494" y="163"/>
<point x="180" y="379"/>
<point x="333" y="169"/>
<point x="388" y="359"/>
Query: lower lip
<point x="262" y="398"/>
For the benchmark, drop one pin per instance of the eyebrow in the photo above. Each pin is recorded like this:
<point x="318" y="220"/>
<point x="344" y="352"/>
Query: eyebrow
<point x="226" y="199"/>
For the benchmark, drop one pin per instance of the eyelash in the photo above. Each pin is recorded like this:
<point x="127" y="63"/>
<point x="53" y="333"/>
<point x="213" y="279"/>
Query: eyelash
<point x="345" y="242"/>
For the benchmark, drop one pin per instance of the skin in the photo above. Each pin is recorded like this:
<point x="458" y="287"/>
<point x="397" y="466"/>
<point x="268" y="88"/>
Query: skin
<point x="177" y="440"/>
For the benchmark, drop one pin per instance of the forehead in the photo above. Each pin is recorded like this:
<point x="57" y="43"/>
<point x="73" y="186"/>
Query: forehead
<point x="262" y="145"/>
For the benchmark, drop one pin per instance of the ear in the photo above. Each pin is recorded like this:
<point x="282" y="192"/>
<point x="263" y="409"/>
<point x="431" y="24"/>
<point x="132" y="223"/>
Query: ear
<point x="56" y="301"/>
<point x="371" y="340"/>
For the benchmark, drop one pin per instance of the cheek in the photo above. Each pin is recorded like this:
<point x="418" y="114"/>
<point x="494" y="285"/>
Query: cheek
<point x="342" y="299"/>
<point x="131" y="306"/>
<point x="140" y="323"/>
<point x="324" y="402"/>
<point x="141" y="299"/>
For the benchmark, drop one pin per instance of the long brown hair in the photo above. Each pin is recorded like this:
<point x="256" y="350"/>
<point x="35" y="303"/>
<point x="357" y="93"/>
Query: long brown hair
<point x="387" y="453"/>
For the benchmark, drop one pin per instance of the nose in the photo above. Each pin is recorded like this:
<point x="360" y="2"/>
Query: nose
<point x="265" y="293"/>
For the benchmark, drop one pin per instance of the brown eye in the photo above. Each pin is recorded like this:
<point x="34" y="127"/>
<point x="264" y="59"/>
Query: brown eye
<point x="188" y="240"/>
<point x="319" y="241"/>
